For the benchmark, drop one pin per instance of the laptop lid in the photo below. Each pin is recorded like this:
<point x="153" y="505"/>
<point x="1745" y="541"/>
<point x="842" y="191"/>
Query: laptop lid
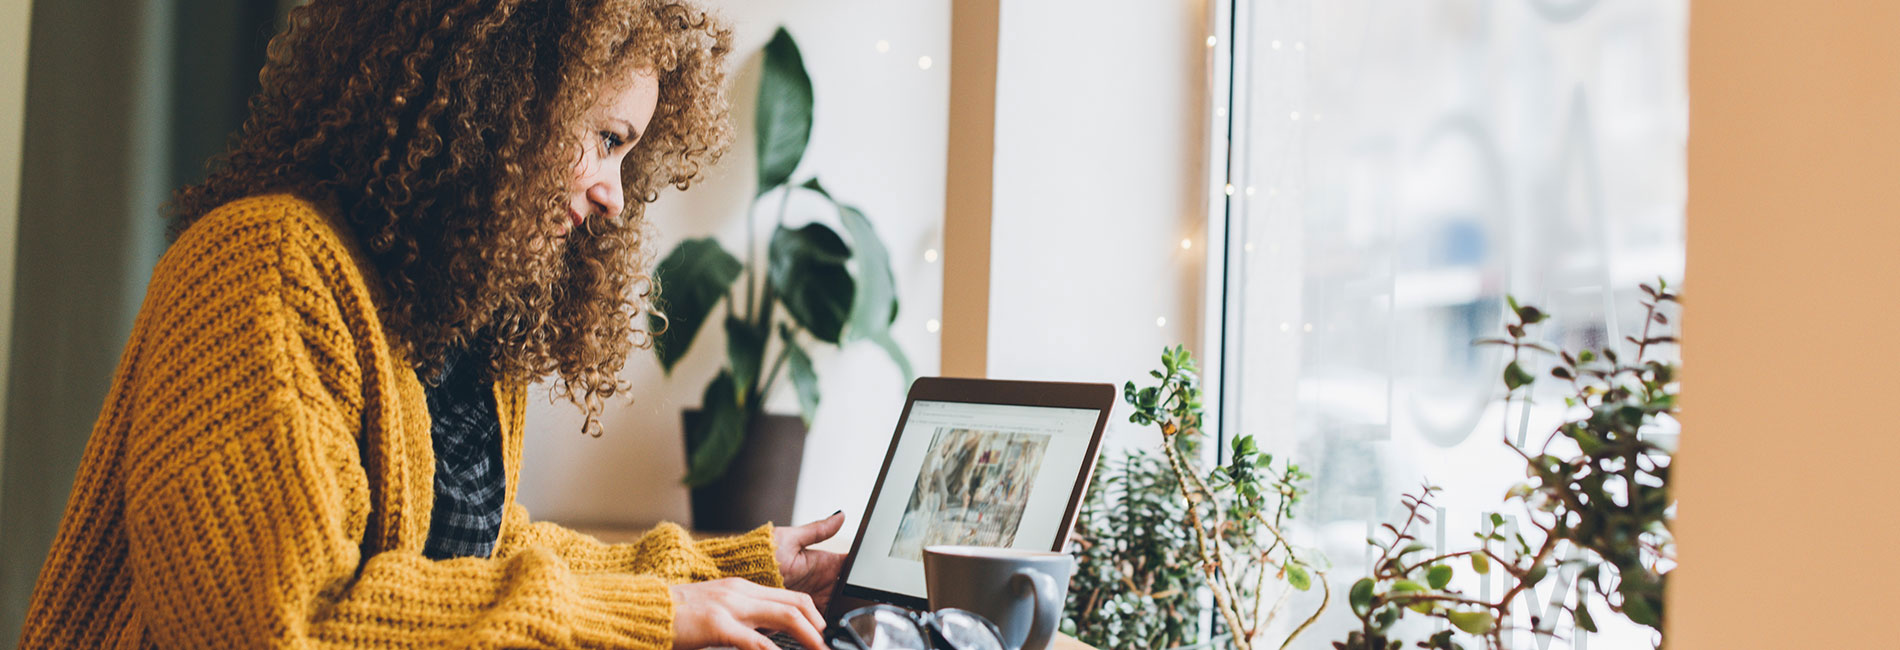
<point x="977" y="462"/>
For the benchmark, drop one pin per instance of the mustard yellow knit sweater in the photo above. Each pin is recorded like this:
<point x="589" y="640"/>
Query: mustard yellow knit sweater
<point x="261" y="476"/>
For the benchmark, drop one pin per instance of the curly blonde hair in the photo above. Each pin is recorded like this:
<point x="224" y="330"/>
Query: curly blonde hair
<point x="444" y="132"/>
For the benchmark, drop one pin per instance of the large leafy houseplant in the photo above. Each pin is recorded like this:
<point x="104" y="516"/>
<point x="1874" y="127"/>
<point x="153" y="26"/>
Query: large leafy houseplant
<point x="832" y="291"/>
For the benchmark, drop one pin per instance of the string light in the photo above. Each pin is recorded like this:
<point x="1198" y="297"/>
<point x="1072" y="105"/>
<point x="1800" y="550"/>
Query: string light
<point x="1276" y="44"/>
<point x="1161" y="322"/>
<point x="1211" y="40"/>
<point x="932" y="325"/>
<point x="930" y="255"/>
<point x="923" y="63"/>
<point x="883" y="46"/>
<point x="1187" y="244"/>
<point x="1230" y="189"/>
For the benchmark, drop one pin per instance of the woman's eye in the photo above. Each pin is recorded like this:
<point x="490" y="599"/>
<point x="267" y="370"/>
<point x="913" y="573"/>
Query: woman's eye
<point x="609" y="141"/>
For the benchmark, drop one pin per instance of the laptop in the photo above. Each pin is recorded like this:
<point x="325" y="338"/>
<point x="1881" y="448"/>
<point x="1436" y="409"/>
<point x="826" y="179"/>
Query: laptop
<point x="974" y="462"/>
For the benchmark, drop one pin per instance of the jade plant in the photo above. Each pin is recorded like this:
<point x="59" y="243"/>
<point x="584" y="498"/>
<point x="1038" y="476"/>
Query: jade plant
<point x="1156" y="530"/>
<point x="1598" y="506"/>
<point x="832" y="289"/>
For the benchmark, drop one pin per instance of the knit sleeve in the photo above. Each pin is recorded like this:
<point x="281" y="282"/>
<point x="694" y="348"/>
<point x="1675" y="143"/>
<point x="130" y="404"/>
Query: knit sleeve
<point x="666" y="551"/>
<point x="246" y="506"/>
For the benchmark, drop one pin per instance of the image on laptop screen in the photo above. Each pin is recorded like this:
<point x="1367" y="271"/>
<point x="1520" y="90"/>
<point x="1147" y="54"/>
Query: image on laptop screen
<point x="971" y="474"/>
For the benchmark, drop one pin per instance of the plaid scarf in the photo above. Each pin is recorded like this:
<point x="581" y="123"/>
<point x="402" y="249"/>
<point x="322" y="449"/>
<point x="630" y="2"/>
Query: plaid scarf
<point x="469" y="482"/>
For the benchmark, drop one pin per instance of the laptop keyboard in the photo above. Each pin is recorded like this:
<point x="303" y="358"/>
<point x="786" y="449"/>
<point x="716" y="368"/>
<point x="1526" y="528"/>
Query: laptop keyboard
<point x="785" y="641"/>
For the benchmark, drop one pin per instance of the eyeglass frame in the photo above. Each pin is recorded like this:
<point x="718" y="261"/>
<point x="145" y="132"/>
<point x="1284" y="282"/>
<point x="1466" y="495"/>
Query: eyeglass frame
<point x="930" y="623"/>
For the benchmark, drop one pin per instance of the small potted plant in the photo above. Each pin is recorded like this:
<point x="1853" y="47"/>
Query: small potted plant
<point x="1156" y="528"/>
<point x="815" y="287"/>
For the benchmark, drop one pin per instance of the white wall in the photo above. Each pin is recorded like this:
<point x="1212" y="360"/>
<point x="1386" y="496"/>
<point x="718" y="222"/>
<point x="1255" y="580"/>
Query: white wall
<point x="878" y="142"/>
<point x="1100" y="132"/>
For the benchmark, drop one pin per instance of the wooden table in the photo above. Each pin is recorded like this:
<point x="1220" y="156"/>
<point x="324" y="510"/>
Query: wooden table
<point x="624" y="534"/>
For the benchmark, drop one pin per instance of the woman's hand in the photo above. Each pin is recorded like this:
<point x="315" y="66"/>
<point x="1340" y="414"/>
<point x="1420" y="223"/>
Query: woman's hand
<point x="731" y="611"/>
<point x="806" y="570"/>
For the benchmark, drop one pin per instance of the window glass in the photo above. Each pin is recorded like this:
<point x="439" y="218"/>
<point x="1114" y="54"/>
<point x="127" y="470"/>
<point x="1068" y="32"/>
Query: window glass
<point x="1397" y="169"/>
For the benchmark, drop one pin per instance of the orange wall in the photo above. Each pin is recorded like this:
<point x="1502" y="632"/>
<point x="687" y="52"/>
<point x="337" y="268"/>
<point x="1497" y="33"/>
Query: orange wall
<point x="1787" y="476"/>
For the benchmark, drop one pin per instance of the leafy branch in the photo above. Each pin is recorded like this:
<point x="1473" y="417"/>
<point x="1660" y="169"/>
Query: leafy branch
<point x="1235" y="512"/>
<point x="1609" y="502"/>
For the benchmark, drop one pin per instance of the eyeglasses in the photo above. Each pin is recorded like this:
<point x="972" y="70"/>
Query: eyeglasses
<point x="886" y="627"/>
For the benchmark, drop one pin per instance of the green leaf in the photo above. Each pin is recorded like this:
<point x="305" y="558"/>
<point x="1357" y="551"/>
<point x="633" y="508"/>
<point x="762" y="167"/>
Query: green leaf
<point x="1480" y="564"/>
<point x="745" y="352"/>
<point x="1413" y="547"/>
<point x="692" y="279"/>
<point x="1387" y="617"/>
<point x="784" y="115"/>
<point x="1515" y="376"/>
<point x="1584" y="620"/>
<point x="1298" y="578"/>
<point x="808" y="272"/>
<point x="1438" y="576"/>
<point x="717" y="435"/>
<point x="804" y="377"/>
<point x="1406" y="586"/>
<point x="1472" y="622"/>
<point x="1361" y="596"/>
<point x="1636" y="604"/>
<point x="1531" y="315"/>
<point x="874" y="305"/>
<point x="1536" y="574"/>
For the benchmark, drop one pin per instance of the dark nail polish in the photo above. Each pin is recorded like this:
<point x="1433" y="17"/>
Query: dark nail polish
<point x="840" y="511"/>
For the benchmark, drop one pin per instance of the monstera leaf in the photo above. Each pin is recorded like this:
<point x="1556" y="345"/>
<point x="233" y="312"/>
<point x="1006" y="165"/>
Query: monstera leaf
<point x="808" y="273"/>
<point x="784" y="113"/>
<point x="693" y="278"/>
<point x="716" y="437"/>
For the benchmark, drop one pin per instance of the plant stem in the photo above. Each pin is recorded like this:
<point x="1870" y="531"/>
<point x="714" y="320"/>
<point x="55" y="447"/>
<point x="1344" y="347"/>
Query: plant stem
<point x="1326" y="596"/>
<point x="751" y="262"/>
<point x="768" y="303"/>
<point x="1215" y="572"/>
<point x="771" y="377"/>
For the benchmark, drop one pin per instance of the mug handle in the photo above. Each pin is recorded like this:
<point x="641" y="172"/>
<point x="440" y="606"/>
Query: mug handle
<point x="1048" y="609"/>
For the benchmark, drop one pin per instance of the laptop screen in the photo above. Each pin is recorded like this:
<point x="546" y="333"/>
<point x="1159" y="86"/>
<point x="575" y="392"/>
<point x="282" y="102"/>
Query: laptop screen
<point x="971" y="474"/>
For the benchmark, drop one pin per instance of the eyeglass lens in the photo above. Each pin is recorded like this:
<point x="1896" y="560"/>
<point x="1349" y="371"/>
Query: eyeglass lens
<point x="965" y="631"/>
<point x="886" y="629"/>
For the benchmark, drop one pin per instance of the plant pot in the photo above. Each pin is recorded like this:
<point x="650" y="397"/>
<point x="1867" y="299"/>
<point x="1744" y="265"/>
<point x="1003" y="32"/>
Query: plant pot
<point x="761" y="482"/>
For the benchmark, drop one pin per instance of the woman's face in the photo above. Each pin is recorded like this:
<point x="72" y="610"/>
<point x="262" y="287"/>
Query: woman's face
<point x="608" y="131"/>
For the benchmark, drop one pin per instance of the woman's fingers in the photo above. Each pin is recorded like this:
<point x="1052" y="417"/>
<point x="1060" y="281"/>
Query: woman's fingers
<point x="744" y="638"/>
<point x="796" y="599"/>
<point x="791" y="620"/>
<point x="730" y="611"/>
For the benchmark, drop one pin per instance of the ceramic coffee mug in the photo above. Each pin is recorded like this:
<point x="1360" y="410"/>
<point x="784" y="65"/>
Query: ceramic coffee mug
<point x="1020" y="591"/>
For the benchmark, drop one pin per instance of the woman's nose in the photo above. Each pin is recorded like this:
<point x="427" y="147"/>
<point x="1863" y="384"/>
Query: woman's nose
<point x="606" y="196"/>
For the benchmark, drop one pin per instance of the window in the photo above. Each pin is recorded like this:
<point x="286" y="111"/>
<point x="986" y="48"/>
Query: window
<point x="1393" y="171"/>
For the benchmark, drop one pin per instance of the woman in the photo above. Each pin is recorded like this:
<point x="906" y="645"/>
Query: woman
<point x="314" y="433"/>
